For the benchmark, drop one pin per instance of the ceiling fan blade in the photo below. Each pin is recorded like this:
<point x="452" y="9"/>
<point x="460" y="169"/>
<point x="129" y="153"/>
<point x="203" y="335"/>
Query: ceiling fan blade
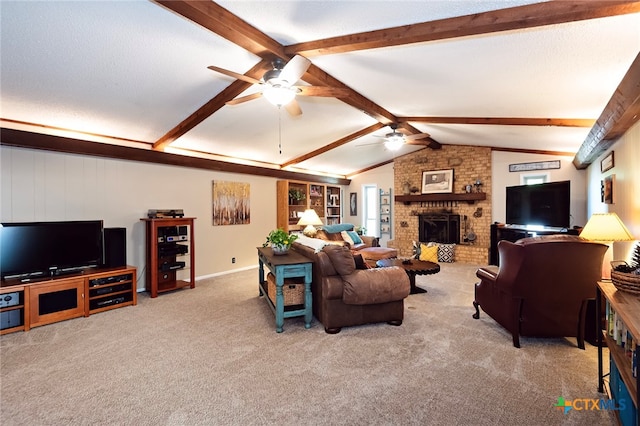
<point x="416" y="136"/>
<point x="293" y="108"/>
<point x="246" y="98"/>
<point x="329" y="92"/>
<point x="294" y="69"/>
<point x="234" y="75"/>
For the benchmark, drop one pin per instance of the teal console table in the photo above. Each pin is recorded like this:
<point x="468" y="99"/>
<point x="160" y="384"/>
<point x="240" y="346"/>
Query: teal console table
<point x="290" y="265"/>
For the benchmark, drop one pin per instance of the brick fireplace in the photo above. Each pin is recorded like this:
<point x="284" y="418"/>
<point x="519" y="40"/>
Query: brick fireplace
<point x="470" y="164"/>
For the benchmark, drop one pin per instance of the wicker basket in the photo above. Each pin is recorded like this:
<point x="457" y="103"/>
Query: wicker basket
<point x="624" y="281"/>
<point x="292" y="290"/>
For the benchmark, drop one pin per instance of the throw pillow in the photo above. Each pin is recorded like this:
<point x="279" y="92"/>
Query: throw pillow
<point x="428" y="253"/>
<point x="355" y="237"/>
<point x="446" y="253"/>
<point x="346" y="237"/>
<point x="360" y="263"/>
<point x="341" y="258"/>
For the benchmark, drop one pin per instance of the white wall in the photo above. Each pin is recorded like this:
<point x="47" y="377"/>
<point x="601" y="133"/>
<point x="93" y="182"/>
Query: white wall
<point x="49" y="186"/>
<point x="502" y="178"/>
<point x="626" y="189"/>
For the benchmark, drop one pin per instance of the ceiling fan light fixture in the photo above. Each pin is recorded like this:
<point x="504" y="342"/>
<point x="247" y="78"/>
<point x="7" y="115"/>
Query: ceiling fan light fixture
<point x="278" y="95"/>
<point x="394" y="142"/>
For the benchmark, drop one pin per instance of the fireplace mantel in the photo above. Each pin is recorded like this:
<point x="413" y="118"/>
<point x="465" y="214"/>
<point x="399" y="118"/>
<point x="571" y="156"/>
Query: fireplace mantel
<point x="470" y="197"/>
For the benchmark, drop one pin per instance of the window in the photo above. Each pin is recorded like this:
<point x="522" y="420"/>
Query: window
<point x="534" y="178"/>
<point x="370" y="213"/>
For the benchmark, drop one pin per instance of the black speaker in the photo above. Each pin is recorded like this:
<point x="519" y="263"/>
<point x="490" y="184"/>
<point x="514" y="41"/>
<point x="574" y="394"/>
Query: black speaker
<point x="115" y="247"/>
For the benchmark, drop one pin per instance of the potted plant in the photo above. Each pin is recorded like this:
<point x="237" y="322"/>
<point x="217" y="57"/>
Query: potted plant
<point x="296" y="195"/>
<point x="280" y="241"/>
<point x="360" y="230"/>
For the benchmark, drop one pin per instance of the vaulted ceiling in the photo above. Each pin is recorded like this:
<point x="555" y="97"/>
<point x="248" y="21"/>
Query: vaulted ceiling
<point x="556" y="77"/>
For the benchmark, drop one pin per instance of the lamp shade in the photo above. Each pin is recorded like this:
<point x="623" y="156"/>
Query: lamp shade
<point x="605" y="227"/>
<point x="309" y="217"/>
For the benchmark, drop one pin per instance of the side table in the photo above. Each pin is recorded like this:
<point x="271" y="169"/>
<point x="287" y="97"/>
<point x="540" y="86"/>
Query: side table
<point x="412" y="267"/>
<point x="289" y="265"/>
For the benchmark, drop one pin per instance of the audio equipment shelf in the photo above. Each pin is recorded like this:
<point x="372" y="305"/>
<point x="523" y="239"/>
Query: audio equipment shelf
<point x="24" y="305"/>
<point x="170" y="254"/>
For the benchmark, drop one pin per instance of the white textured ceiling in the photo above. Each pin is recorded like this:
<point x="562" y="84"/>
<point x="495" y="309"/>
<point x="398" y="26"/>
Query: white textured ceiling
<point x="134" y="70"/>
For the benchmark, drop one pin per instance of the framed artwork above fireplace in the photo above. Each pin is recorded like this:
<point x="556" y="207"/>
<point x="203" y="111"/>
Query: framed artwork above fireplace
<point x="437" y="181"/>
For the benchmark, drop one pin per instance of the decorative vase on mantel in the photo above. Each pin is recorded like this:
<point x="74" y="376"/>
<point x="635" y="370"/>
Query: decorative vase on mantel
<point x="279" y="249"/>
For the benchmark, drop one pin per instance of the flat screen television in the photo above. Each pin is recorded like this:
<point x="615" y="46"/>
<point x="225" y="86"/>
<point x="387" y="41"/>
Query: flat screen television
<point x="42" y="249"/>
<point x="545" y="204"/>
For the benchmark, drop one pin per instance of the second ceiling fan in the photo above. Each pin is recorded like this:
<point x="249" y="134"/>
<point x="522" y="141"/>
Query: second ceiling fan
<point x="278" y="84"/>
<point x="394" y="140"/>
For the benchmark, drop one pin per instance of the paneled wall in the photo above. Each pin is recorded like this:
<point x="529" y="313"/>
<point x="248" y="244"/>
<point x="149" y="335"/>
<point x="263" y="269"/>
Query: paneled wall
<point x="48" y="186"/>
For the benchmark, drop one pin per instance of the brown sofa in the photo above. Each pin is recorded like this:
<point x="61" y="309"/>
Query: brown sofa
<point x="345" y="296"/>
<point x="542" y="287"/>
<point x="369" y="248"/>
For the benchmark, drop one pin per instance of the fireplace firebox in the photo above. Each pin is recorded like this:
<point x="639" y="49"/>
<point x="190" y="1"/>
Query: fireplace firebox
<point x="439" y="228"/>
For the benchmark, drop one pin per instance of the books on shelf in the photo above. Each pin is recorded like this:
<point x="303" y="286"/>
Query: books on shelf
<point x="618" y="332"/>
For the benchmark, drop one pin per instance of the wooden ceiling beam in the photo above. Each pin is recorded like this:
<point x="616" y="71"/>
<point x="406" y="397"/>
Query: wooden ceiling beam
<point x="30" y="140"/>
<point x="336" y="144"/>
<point x="515" y="18"/>
<point x="622" y="112"/>
<point x="503" y="121"/>
<point x="230" y="92"/>
<point x="220" y="21"/>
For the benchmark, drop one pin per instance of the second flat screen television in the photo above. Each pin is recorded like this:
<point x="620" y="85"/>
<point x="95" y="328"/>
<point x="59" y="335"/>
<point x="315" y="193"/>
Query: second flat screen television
<point x="545" y="204"/>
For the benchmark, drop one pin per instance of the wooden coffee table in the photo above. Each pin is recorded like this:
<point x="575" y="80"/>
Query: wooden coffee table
<point x="413" y="267"/>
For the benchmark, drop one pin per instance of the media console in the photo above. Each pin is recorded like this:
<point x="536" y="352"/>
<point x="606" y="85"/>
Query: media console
<point x="24" y="305"/>
<point x="514" y="233"/>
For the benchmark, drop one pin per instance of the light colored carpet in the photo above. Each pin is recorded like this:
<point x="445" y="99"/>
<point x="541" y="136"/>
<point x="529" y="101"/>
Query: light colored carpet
<point x="210" y="355"/>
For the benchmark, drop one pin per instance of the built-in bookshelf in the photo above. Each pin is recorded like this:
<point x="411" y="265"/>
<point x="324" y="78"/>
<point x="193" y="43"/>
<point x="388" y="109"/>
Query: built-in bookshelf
<point x="334" y="205"/>
<point x="621" y="334"/>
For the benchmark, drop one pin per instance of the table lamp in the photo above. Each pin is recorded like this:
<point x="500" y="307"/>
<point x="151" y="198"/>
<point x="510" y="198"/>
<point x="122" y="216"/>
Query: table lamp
<point x="309" y="219"/>
<point x="606" y="228"/>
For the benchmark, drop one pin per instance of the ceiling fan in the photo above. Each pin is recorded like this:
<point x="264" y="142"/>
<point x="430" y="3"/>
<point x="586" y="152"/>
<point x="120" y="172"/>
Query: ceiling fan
<point x="279" y="84"/>
<point x="393" y="141"/>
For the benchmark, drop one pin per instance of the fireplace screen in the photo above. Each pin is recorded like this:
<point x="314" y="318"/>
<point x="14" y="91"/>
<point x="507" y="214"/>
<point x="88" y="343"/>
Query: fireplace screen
<point x="440" y="228"/>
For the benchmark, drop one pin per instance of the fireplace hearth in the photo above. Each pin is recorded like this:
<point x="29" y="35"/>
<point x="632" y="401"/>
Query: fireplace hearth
<point x="439" y="228"/>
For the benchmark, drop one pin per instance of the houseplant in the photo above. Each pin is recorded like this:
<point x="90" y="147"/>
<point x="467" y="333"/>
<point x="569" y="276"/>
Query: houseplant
<point x="296" y="195"/>
<point x="280" y="241"/>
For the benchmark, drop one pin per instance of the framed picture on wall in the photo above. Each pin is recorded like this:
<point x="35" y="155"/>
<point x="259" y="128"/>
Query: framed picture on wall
<point x="353" y="204"/>
<point x="438" y="181"/>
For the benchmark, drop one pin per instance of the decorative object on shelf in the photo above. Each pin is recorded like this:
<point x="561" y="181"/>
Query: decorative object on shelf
<point x="437" y="181"/>
<point x="280" y="241"/>
<point x="626" y="276"/>
<point x="538" y="165"/>
<point x="295" y="196"/>
<point x="606" y="228"/>
<point x="478" y="185"/>
<point x="607" y="163"/>
<point x="231" y="203"/>
<point x="406" y="188"/>
<point x="309" y="219"/>
<point x="415" y="189"/>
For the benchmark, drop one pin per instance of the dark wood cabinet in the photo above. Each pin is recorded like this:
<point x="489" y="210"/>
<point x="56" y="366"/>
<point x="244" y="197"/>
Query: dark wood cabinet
<point x="170" y="254"/>
<point x="513" y="233"/>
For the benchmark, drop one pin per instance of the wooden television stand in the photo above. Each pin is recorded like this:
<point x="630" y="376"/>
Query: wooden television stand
<point x="27" y="304"/>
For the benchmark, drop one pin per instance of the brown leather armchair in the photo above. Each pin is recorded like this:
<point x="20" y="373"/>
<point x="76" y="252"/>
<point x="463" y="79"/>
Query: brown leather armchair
<point x="345" y="296"/>
<point x="542" y="287"/>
